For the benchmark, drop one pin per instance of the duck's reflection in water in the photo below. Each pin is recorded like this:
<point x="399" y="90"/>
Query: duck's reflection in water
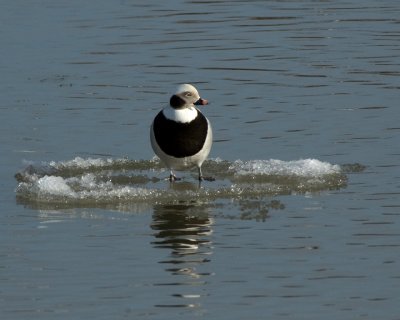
<point x="185" y="230"/>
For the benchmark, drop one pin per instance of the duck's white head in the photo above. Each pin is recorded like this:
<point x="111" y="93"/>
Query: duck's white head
<point x="186" y="96"/>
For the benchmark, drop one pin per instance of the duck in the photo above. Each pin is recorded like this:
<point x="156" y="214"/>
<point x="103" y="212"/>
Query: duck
<point x="180" y="135"/>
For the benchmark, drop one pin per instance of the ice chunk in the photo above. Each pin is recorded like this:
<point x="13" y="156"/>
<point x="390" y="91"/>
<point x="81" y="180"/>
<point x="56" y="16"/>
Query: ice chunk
<point x="301" y="168"/>
<point x="54" y="185"/>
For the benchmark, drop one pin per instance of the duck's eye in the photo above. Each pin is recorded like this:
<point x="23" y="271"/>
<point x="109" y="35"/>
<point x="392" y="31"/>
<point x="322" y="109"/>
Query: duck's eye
<point x="188" y="94"/>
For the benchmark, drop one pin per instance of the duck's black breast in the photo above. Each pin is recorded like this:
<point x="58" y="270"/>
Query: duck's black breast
<point x="180" y="139"/>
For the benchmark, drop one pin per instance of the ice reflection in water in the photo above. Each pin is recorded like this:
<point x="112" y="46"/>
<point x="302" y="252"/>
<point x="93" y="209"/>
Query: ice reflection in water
<point x="185" y="230"/>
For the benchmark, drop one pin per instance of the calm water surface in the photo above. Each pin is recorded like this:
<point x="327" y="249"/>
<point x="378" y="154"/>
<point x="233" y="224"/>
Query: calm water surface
<point x="90" y="230"/>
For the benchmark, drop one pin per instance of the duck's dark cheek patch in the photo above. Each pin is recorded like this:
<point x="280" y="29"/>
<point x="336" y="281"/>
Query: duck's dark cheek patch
<point x="176" y="102"/>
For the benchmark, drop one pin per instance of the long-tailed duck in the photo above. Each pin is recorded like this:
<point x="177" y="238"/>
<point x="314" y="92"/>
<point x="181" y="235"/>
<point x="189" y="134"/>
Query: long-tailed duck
<point x="181" y="136"/>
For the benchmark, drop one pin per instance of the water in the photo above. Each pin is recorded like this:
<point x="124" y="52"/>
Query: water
<point x="302" y="221"/>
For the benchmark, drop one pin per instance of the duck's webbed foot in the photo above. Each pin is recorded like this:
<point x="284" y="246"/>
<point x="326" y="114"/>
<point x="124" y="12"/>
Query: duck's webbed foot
<point x="202" y="178"/>
<point x="173" y="177"/>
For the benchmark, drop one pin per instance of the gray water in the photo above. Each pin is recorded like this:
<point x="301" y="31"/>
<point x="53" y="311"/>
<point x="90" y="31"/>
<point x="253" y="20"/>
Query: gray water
<point x="303" y="220"/>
